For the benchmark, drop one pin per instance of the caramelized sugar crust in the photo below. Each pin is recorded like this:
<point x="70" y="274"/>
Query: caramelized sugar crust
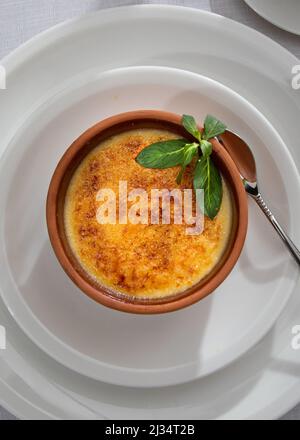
<point x="143" y="260"/>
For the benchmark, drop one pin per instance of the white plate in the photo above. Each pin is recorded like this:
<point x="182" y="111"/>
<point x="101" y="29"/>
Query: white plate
<point x="32" y="379"/>
<point x="107" y="345"/>
<point x="265" y="383"/>
<point x="284" y="14"/>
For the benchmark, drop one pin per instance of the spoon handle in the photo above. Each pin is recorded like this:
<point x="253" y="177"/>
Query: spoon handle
<point x="290" y="245"/>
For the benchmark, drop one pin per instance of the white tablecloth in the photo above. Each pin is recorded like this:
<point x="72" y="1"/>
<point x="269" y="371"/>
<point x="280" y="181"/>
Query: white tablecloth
<point x="22" y="19"/>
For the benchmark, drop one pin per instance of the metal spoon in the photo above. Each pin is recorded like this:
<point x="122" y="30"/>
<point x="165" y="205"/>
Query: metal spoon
<point x="244" y="160"/>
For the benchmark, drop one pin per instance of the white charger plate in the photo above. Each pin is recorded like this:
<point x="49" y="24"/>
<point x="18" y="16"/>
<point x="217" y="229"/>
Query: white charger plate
<point x="284" y="14"/>
<point x="107" y="345"/>
<point x="271" y="83"/>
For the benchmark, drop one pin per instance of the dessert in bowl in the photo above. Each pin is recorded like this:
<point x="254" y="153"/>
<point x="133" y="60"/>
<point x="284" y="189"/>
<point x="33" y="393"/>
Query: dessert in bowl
<point x="140" y="266"/>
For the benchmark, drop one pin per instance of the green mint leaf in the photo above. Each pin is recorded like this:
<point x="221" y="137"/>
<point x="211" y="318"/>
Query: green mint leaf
<point x="189" y="152"/>
<point x="206" y="147"/>
<point x="165" y="154"/>
<point x="212" y="127"/>
<point x="190" y="125"/>
<point x="208" y="178"/>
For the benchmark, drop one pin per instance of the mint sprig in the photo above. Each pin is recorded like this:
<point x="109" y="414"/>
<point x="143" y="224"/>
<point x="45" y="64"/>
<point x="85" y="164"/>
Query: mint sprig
<point x="188" y="153"/>
<point x="162" y="155"/>
<point x="207" y="177"/>
<point x="167" y="154"/>
<point x="190" y="125"/>
<point x="212" y="127"/>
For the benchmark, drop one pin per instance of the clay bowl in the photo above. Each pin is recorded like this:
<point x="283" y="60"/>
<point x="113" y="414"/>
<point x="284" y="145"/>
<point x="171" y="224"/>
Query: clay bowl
<point x="55" y="208"/>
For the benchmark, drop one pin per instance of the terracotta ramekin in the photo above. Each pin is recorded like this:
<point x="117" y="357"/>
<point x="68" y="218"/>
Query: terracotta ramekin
<point x="55" y="208"/>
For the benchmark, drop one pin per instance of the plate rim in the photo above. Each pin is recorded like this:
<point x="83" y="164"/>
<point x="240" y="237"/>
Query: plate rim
<point x="15" y="57"/>
<point x="273" y="21"/>
<point x="109" y="372"/>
